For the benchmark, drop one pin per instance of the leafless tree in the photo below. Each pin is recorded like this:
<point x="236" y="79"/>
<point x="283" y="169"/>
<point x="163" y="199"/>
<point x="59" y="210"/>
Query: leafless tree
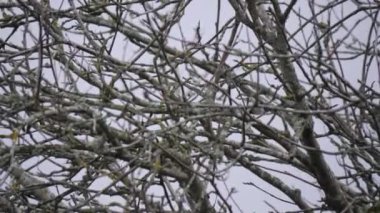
<point x="150" y="106"/>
